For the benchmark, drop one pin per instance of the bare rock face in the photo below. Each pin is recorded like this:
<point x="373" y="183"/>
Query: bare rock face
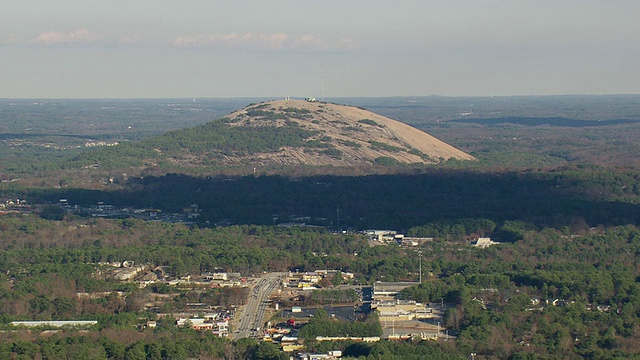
<point x="339" y="136"/>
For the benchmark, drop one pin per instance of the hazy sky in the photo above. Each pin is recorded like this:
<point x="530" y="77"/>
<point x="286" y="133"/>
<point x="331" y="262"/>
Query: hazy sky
<point x="273" y="48"/>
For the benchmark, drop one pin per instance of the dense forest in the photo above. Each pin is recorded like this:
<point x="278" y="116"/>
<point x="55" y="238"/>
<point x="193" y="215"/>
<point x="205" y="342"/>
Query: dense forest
<point x="591" y="277"/>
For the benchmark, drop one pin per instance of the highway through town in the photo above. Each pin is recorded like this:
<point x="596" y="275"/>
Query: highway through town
<point x="250" y="318"/>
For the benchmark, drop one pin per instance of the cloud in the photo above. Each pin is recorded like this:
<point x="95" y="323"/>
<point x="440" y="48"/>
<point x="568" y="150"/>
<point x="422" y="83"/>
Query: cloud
<point x="7" y="39"/>
<point x="73" y="37"/>
<point x="264" y="41"/>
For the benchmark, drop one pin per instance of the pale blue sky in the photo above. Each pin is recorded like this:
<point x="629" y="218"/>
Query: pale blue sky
<point x="273" y="48"/>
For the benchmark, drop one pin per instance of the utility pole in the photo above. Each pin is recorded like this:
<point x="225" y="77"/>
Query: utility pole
<point x="420" y="266"/>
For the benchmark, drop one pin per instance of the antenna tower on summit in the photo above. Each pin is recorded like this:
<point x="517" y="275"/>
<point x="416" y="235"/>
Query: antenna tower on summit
<point x="322" y="84"/>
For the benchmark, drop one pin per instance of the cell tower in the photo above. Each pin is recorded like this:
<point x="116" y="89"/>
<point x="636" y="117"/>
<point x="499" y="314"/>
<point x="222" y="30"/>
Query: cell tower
<point x="322" y="84"/>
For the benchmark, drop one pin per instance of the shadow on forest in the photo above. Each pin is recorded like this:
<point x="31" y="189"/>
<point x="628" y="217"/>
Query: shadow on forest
<point x="376" y="201"/>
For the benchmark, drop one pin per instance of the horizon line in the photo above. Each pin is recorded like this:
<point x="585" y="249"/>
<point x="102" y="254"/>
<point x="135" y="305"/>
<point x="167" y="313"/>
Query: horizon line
<point x="328" y="97"/>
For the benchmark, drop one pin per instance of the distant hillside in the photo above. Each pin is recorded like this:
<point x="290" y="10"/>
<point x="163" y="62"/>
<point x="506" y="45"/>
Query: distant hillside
<point x="281" y="133"/>
<point x="550" y="121"/>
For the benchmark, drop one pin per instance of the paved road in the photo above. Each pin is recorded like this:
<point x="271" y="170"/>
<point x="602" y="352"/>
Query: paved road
<point x="251" y="316"/>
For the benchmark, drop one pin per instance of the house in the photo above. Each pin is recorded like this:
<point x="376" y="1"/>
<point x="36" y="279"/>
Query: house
<point x="535" y="301"/>
<point x="127" y="273"/>
<point x="560" y="302"/>
<point x="381" y="235"/>
<point x="484" y="243"/>
<point x="219" y="328"/>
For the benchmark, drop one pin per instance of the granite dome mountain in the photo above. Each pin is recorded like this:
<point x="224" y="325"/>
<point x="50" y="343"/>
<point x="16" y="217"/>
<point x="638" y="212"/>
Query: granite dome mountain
<point x="284" y="133"/>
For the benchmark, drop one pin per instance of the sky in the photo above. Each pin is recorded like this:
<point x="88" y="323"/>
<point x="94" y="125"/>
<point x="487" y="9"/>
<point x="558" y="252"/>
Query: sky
<point x="300" y="48"/>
